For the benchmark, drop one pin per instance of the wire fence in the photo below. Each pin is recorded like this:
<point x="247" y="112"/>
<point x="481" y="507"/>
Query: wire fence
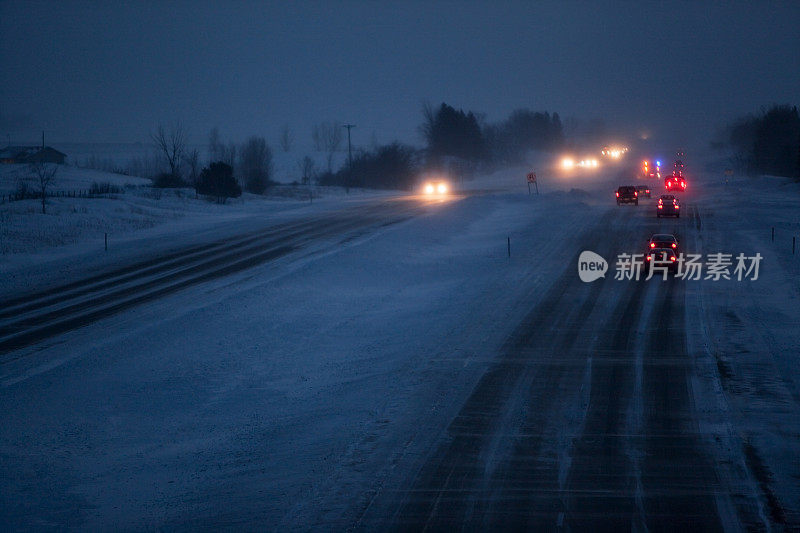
<point x="37" y="195"/>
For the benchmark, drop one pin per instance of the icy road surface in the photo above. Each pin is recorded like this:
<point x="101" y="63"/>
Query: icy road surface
<point x="404" y="372"/>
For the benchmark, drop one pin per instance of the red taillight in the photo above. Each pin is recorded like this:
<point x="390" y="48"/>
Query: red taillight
<point x="672" y="258"/>
<point x="674" y="245"/>
<point x="652" y="245"/>
<point x="636" y="194"/>
<point x="677" y="206"/>
<point x="660" y="206"/>
<point x="647" y="258"/>
<point x="669" y="183"/>
<point x="647" y="191"/>
<point x="617" y="194"/>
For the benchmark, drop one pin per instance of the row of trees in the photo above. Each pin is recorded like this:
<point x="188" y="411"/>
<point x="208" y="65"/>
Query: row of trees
<point x="768" y="143"/>
<point x="393" y="166"/>
<point x="452" y="137"/>
<point x="453" y="133"/>
<point x="251" y="161"/>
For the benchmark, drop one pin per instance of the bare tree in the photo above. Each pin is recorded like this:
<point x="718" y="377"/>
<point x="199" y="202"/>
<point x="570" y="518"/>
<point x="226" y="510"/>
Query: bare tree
<point x="307" y="169"/>
<point x="255" y="164"/>
<point x="173" y="145"/>
<point x="229" y="155"/>
<point x="192" y="160"/>
<point x="316" y="136"/>
<point x="286" y="139"/>
<point x="328" y="138"/>
<point x="215" y="147"/>
<point x="44" y="174"/>
<point x="426" y="129"/>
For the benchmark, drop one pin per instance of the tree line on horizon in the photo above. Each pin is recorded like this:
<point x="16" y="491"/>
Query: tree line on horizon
<point x="455" y="141"/>
<point x="766" y="143"/>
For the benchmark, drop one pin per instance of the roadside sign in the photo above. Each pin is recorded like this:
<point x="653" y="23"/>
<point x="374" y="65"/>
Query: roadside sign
<point x="532" y="179"/>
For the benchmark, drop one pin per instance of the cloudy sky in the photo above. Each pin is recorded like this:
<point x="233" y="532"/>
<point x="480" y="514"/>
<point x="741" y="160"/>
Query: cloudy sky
<point x="111" y="71"/>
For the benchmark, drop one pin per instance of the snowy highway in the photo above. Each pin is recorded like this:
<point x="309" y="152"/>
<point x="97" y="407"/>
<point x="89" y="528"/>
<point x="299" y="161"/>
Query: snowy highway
<point x="391" y="367"/>
<point x="586" y="419"/>
<point x="31" y="318"/>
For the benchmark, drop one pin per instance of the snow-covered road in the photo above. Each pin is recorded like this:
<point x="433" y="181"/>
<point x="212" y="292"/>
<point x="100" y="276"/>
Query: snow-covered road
<point x="414" y="374"/>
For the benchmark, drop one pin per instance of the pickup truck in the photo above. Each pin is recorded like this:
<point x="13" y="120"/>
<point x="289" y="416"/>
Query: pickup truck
<point x="627" y="194"/>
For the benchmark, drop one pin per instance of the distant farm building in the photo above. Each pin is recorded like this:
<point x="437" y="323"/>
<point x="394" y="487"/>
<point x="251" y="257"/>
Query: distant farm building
<point x="31" y="154"/>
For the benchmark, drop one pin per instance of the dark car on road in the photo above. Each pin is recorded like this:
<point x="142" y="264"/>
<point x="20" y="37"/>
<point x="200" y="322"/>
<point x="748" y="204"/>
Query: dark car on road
<point x="643" y="190"/>
<point x="668" y="206"/>
<point x="662" y="257"/>
<point x="662" y="240"/>
<point x="627" y="195"/>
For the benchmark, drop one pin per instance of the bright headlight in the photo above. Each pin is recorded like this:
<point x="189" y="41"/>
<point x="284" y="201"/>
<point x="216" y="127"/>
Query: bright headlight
<point x="429" y="188"/>
<point x="441" y="188"/>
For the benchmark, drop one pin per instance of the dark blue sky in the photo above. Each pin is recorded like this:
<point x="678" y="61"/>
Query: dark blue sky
<point x="96" y="71"/>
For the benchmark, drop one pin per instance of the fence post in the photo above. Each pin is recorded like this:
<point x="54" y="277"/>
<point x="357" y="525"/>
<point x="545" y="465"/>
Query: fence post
<point x="106" y="242"/>
<point x="773" y="233"/>
<point x="509" y="246"/>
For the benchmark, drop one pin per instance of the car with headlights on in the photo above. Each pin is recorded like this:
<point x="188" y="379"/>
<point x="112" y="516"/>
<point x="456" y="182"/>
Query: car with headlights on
<point x="435" y="188"/>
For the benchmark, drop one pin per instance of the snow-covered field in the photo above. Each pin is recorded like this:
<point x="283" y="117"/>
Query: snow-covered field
<point x="286" y="395"/>
<point x="77" y="225"/>
<point x="286" y="165"/>
<point x="751" y="331"/>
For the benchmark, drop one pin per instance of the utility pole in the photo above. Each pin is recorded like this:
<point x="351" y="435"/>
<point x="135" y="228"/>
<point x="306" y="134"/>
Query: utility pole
<point x="349" y="146"/>
<point x="349" y="156"/>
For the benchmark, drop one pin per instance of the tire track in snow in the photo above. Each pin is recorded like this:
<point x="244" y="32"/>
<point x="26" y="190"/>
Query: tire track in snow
<point x="39" y="317"/>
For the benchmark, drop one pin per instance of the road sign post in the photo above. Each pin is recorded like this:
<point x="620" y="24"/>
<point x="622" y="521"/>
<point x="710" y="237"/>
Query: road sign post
<point x="532" y="179"/>
<point x="728" y="174"/>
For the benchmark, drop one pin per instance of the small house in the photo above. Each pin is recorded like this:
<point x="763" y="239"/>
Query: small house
<point x="31" y="154"/>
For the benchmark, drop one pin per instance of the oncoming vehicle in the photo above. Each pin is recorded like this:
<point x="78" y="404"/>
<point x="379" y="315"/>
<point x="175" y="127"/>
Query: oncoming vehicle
<point x="663" y="257"/>
<point x="643" y="190"/>
<point x="662" y="240"/>
<point x="668" y="206"/>
<point x="435" y="188"/>
<point x="675" y="182"/>
<point x="627" y="194"/>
